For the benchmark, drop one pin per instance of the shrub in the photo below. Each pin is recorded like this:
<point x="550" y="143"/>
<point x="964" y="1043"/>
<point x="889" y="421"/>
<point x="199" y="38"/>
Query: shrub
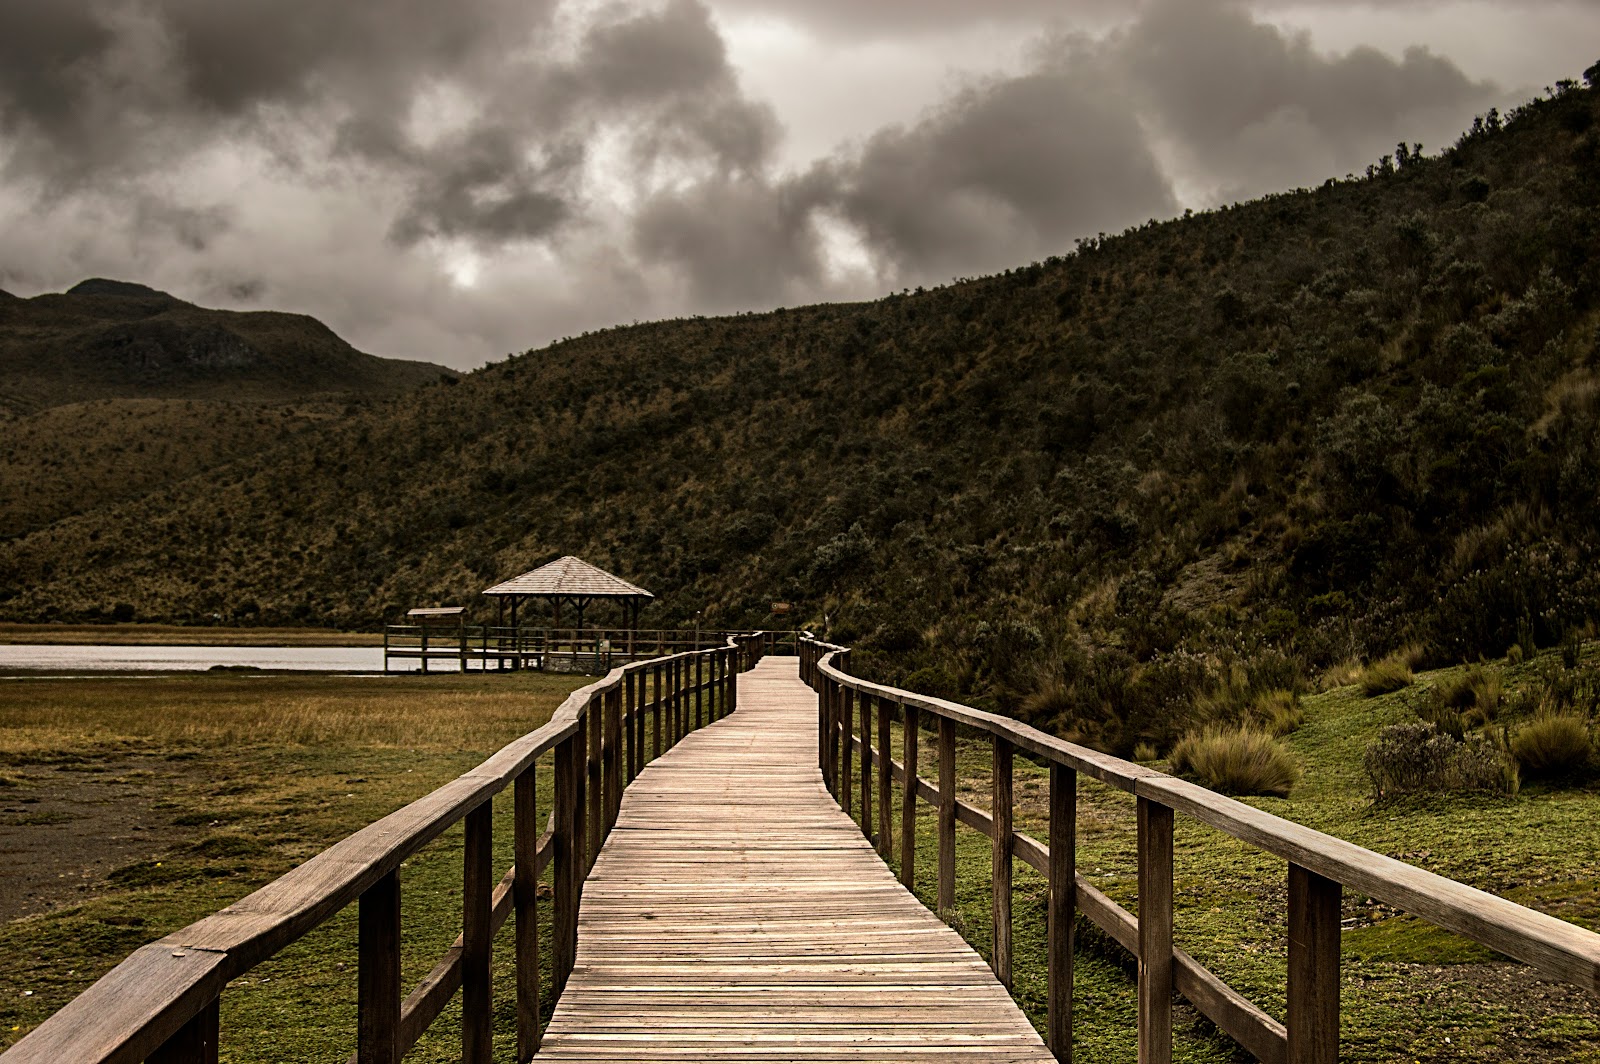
<point x="1552" y="746"/>
<point x="1145" y="752"/>
<point x="1415" y="757"/>
<point x="1242" y="761"/>
<point x="1381" y="677"/>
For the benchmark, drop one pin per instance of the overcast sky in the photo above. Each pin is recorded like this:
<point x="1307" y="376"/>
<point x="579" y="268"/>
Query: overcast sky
<point x="457" y="181"/>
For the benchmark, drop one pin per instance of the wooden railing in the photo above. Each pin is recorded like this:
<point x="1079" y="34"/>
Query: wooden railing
<point x="161" y="1003"/>
<point x="490" y="645"/>
<point x="1320" y="866"/>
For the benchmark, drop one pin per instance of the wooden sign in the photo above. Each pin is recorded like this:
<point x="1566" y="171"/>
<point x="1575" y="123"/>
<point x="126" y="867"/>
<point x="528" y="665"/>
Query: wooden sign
<point x="780" y="607"/>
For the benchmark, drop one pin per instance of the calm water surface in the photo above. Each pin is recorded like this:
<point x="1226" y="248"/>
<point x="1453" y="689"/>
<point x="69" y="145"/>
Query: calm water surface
<point x="195" y="659"/>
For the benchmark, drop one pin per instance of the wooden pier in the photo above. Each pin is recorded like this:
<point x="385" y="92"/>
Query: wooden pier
<point x="737" y="914"/>
<point x="710" y="901"/>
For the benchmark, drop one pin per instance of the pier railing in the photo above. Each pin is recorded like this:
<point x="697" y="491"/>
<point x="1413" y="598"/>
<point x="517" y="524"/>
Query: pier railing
<point x="161" y="1003"/>
<point x="594" y="650"/>
<point x="854" y="750"/>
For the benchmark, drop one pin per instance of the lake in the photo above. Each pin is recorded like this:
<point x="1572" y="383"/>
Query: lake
<point x="59" y="658"/>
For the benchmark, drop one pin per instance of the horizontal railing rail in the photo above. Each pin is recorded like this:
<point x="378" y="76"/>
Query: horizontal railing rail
<point x="161" y="1002"/>
<point x="496" y="644"/>
<point x="1320" y="867"/>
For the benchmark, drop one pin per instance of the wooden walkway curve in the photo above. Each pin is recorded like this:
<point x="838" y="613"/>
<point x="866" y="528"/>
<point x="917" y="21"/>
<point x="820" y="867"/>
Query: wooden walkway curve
<point x="736" y="914"/>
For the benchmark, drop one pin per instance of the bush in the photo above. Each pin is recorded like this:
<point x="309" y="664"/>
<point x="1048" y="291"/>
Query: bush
<point x="1242" y="761"/>
<point x="1416" y="757"/>
<point x="1381" y="677"/>
<point x="1552" y="746"/>
<point x="1277" y="712"/>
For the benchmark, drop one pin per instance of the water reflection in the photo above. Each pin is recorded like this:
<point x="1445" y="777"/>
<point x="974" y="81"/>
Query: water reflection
<point x="197" y="659"/>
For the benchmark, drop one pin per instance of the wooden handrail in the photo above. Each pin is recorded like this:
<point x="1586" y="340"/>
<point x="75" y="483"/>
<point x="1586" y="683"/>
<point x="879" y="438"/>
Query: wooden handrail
<point x="1320" y="866"/>
<point x="161" y="1001"/>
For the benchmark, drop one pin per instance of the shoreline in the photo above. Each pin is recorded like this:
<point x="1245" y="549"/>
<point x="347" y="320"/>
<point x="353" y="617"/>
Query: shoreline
<point x="178" y="635"/>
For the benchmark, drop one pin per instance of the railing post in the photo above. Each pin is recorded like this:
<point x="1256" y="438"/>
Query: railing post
<point x="908" y="799"/>
<point x="594" y="816"/>
<point x="378" y="972"/>
<point x="699" y="691"/>
<point x="477" y="1033"/>
<point x="1000" y="862"/>
<point x="524" y="898"/>
<point x="1061" y="908"/>
<point x="1155" y="932"/>
<point x="1313" y="967"/>
<point x="885" y="778"/>
<point x="196" y="1041"/>
<point x="733" y="680"/>
<point x="845" y="698"/>
<point x="655" y="712"/>
<point x="568" y="842"/>
<point x="947" y="814"/>
<point x="865" y="701"/>
<point x="630" y="717"/>
<point x="613" y="757"/>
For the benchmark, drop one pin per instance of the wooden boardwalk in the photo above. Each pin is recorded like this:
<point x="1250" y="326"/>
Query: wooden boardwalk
<point x="736" y="914"/>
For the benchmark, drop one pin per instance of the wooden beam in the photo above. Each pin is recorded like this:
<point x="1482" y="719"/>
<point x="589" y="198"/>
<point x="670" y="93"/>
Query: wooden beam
<point x="1155" y="932"/>
<point x="1060" y="909"/>
<point x="378" y="972"/>
<point x="1313" y="968"/>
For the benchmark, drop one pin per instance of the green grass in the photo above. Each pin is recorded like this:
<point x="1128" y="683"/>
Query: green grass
<point x="261" y="773"/>
<point x="1406" y="985"/>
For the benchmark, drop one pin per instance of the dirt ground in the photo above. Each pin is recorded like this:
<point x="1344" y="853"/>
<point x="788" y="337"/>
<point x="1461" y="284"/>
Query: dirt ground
<point x="64" y="827"/>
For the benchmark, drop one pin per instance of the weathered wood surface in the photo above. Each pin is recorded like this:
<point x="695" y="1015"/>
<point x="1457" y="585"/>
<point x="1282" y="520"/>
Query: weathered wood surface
<point x="735" y="913"/>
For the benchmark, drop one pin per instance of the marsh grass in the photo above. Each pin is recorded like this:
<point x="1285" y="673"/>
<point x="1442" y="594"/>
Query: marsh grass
<point x="257" y="774"/>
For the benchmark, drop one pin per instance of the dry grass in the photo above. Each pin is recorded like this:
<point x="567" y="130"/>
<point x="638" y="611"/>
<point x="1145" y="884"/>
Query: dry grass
<point x="1553" y="746"/>
<point x="434" y="713"/>
<point x="1242" y="761"/>
<point x="1382" y="677"/>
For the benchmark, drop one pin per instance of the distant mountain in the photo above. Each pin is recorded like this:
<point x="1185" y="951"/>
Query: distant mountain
<point x="1202" y="458"/>
<point x="106" y="339"/>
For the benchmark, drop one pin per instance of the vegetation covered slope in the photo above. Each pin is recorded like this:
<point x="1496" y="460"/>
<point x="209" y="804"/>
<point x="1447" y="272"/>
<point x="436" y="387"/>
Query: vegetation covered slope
<point x="1211" y="453"/>
<point x="113" y="339"/>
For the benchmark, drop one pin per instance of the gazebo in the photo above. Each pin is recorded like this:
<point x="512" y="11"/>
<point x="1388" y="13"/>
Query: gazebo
<point x="570" y="580"/>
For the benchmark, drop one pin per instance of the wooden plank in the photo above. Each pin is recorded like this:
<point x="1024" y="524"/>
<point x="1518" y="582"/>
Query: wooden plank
<point x="1000" y="864"/>
<point x="1155" y="932"/>
<point x="378" y="972"/>
<point x="568" y="830"/>
<point x="847" y="724"/>
<point x="1313" y="1027"/>
<point x="865" y="702"/>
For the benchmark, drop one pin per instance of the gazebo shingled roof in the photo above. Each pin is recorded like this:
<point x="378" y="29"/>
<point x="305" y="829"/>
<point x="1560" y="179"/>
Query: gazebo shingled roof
<point x="569" y="577"/>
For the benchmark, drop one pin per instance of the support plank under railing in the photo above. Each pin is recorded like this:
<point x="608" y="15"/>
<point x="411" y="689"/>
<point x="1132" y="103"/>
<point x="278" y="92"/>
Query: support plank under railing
<point x="1000" y="865"/>
<point x="947" y="814"/>
<point x="1155" y="932"/>
<point x="908" y="800"/>
<point x="478" y="880"/>
<point x="195" y="1042"/>
<point x="524" y="894"/>
<point x="1060" y="909"/>
<point x="1313" y="967"/>
<point x="378" y="972"/>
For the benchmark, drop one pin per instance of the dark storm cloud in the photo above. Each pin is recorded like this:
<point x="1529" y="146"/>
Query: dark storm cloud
<point x="1257" y="107"/>
<point x="1002" y="172"/>
<point x="346" y="158"/>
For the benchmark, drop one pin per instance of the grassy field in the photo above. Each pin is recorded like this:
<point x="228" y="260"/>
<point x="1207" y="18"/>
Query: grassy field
<point x="1410" y="992"/>
<point x="237" y="779"/>
<point x="182" y="635"/>
<point x="227" y="782"/>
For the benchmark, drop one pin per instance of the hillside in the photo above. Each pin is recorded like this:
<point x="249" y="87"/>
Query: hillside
<point x="117" y="340"/>
<point x="1203" y="457"/>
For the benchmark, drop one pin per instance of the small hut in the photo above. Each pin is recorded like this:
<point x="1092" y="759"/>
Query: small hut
<point x="571" y="581"/>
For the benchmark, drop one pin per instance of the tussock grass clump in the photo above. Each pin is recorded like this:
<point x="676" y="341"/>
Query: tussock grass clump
<point x="1237" y="761"/>
<point x="1277" y="712"/>
<point x="1463" y="702"/>
<point x="1382" y="677"/>
<point x="1417" y="757"/>
<point x="1553" y="746"/>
